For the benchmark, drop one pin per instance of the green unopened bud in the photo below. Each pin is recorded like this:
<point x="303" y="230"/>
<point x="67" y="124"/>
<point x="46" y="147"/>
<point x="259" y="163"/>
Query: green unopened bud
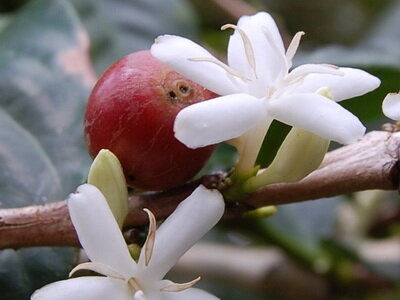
<point x="134" y="251"/>
<point x="107" y="175"/>
<point x="300" y="153"/>
<point x="262" y="212"/>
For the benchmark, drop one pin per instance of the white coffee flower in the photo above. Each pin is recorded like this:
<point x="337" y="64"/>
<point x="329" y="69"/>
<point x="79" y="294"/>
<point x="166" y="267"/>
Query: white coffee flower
<point x="104" y="244"/>
<point x="257" y="85"/>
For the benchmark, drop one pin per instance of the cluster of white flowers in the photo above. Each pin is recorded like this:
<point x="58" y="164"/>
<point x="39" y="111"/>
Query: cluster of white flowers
<point x="255" y="87"/>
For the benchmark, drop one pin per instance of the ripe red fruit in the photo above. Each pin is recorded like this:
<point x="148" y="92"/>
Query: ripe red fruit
<point x="131" y="111"/>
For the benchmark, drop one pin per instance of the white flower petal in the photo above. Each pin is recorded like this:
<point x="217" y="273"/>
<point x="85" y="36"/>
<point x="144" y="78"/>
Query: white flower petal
<point x="84" y="288"/>
<point x="217" y="120"/>
<point x="267" y="45"/>
<point x="319" y="115"/>
<point x="353" y="83"/>
<point x="193" y="217"/>
<point x="176" y="52"/>
<point x="98" y="230"/>
<point x="391" y="106"/>
<point x="192" y="294"/>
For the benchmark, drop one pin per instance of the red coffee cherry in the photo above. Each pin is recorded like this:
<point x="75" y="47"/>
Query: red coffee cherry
<point x="131" y="112"/>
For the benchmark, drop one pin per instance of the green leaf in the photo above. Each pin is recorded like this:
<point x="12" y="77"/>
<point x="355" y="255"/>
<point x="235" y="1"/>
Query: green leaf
<point x="22" y="159"/>
<point x="273" y="140"/>
<point x="44" y="82"/>
<point x="120" y="27"/>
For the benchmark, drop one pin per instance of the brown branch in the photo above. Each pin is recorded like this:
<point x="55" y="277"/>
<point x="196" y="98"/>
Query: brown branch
<point x="372" y="163"/>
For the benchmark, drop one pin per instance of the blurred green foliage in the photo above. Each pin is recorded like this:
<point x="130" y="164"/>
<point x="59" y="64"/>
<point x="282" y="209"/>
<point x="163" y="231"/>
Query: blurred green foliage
<point x="44" y="86"/>
<point x="119" y="27"/>
<point x="42" y="152"/>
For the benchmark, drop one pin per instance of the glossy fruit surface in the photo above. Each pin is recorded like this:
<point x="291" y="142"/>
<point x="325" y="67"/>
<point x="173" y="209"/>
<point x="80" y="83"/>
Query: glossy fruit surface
<point x="131" y="112"/>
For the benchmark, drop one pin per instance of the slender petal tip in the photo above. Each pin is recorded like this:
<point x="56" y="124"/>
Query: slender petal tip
<point x="353" y="83"/>
<point x="391" y="106"/>
<point x="318" y="115"/>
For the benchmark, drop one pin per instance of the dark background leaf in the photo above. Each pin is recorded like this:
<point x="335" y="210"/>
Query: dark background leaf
<point x="45" y="79"/>
<point x="120" y="27"/>
<point x="378" y="53"/>
<point x="42" y="152"/>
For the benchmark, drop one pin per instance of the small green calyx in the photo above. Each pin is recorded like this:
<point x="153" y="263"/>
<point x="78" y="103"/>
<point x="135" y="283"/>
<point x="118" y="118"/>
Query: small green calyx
<point x="235" y="191"/>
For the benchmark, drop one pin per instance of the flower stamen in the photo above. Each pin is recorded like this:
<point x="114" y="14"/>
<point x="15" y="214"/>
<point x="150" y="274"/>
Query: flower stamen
<point x="248" y="48"/>
<point x="179" y="287"/>
<point x="151" y="236"/>
<point x="98" y="267"/>
<point x="132" y="282"/>
<point x="221" y="65"/>
<point x="299" y="73"/>
<point x="292" y="49"/>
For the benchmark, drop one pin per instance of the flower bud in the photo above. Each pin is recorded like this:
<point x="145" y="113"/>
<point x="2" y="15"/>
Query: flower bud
<point x="106" y="174"/>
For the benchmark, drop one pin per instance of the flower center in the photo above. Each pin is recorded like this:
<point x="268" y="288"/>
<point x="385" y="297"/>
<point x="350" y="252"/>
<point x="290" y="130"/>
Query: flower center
<point x="136" y="289"/>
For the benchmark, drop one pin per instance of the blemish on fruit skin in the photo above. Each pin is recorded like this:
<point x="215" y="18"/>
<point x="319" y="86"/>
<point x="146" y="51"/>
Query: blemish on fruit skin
<point x="76" y="60"/>
<point x="172" y="95"/>
<point x="179" y="92"/>
<point x="184" y="89"/>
